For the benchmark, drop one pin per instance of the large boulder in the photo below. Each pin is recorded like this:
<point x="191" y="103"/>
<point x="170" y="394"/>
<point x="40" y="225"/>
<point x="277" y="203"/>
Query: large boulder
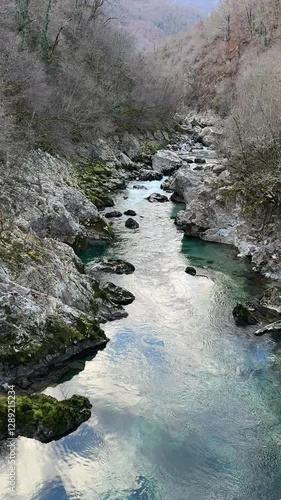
<point x="130" y="146"/>
<point x="101" y="150"/>
<point x="166" y="162"/>
<point x="113" y="266"/>
<point x="43" y="417"/>
<point x="252" y="314"/>
<point x="210" y="136"/>
<point x="157" y="197"/>
<point x="245" y="315"/>
<point x="149" y="175"/>
<point x="118" y="295"/>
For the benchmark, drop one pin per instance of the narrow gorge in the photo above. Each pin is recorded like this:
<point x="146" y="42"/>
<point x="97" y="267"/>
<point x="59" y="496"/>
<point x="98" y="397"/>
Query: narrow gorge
<point x="173" y="337"/>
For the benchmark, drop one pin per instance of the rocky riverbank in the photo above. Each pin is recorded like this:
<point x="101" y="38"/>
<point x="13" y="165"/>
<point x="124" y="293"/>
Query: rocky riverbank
<point x="51" y="307"/>
<point x="216" y="209"/>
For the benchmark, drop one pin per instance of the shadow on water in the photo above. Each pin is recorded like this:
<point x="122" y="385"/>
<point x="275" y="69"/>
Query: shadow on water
<point x="62" y="373"/>
<point x="94" y="251"/>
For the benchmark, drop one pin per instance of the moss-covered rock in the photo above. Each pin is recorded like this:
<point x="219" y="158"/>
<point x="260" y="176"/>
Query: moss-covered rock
<point x="43" y="417"/>
<point x="50" y="341"/>
<point x="245" y="315"/>
<point x="98" y="181"/>
<point x="118" y="295"/>
<point x="252" y="314"/>
<point x="149" y="148"/>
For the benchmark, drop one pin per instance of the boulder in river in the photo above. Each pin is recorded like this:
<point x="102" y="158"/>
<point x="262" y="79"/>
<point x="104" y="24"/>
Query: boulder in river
<point x="150" y="175"/>
<point x="176" y="198"/>
<point x="118" y="295"/>
<point x="245" y="315"/>
<point x="166" y="162"/>
<point x="113" y="214"/>
<point x="191" y="270"/>
<point x="139" y="186"/>
<point x="261" y="312"/>
<point x="166" y="186"/>
<point x="114" y="266"/>
<point x="132" y="223"/>
<point x="130" y="213"/>
<point x="157" y="197"/>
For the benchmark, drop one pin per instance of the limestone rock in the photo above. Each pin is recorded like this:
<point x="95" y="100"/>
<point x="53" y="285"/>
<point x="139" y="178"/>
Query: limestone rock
<point x="114" y="266"/>
<point x="150" y="175"/>
<point x="166" y="162"/>
<point x="118" y="295"/>
<point x="157" y="197"/>
<point x="271" y="328"/>
<point x="245" y="315"/>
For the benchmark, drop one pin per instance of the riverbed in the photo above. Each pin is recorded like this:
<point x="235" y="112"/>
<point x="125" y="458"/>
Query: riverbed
<point x="186" y="405"/>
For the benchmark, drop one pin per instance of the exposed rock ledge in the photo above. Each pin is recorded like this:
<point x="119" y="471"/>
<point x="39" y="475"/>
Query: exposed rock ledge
<point x="44" y="418"/>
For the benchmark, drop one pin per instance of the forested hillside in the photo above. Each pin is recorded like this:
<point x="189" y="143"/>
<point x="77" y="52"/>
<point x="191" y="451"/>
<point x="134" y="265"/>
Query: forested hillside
<point x="149" y="21"/>
<point x="231" y="63"/>
<point x="69" y="73"/>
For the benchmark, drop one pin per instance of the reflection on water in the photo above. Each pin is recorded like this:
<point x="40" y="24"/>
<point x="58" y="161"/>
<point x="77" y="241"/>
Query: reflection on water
<point x="186" y="406"/>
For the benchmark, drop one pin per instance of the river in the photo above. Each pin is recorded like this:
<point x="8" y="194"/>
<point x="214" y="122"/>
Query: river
<point x="186" y="406"/>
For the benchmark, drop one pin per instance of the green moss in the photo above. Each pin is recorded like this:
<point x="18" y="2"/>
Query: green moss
<point x="99" y="292"/>
<point x="149" y="148"/>
<point x="53" y="339"/>
<point x="33" y="412"/>
<point x="102" y="227"/>
<point x="94" y="180"/>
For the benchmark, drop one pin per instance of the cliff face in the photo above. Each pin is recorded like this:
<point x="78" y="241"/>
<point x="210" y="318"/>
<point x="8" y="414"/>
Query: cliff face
<point x="49" y="307"/>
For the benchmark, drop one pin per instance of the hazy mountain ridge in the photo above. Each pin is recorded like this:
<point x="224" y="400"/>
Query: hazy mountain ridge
<point x="149" y="21"/>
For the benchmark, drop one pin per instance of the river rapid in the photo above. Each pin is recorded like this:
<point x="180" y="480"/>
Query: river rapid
<point x="186" y="406"/>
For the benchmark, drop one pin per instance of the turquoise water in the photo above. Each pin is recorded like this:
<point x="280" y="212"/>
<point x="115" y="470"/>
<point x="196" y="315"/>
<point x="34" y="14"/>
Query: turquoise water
<point x="186" y="406"/>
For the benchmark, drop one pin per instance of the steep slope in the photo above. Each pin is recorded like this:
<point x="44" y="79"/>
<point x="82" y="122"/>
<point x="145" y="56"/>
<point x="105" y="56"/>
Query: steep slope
<point x="230" y="63"/>
<point x="150" y="21"/>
